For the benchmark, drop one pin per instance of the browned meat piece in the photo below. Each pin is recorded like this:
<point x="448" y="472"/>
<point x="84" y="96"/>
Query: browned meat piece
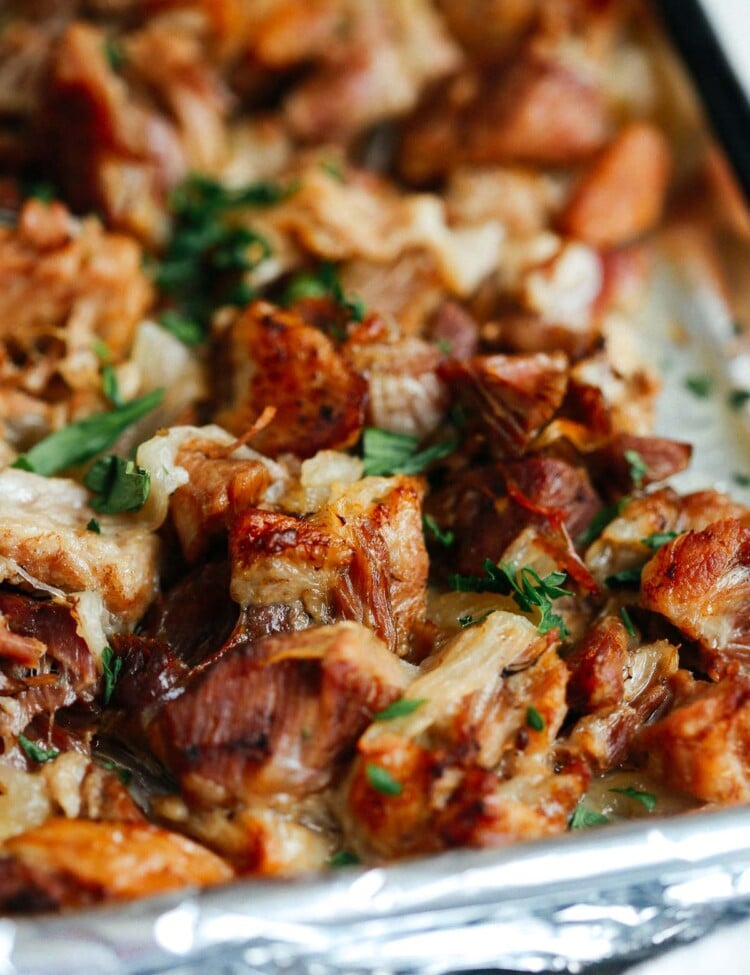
<point x="62" y="285"/>
<point x="702" y="747"/>
<point x="277" y="716"/>
<point x="614" y="473"/>
<point x="360" y="557"/>
<point x="490" y="29"/>
<point x="621" y="196"/>
<point x="70" y="863"/>
<point x="454" y="331"/>
<point x="597" y="667"/>
<point x="540" y="112"/>
<point x="468" y="766"/>
<point x="701" y="583"/>
<point x="277" y="360"/>
<point x="512" y="397"/>
<point x="604" y="738"/>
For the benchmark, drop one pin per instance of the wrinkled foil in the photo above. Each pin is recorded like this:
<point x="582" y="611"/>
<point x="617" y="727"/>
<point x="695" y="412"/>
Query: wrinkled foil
<point x="556" y="905"/>
<point x="602" y="895"/>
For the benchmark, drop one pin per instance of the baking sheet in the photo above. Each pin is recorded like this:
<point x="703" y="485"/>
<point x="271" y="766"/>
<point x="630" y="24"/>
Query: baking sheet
<point x="558" y="905"/>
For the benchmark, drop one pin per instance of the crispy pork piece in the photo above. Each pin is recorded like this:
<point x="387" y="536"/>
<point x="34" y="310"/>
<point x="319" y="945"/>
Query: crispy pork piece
<point x="470" y="764"/>
<point x="71" y="863"/>
<point x="63" y="285"/>
<point x="512" y="397"/>
<point x="360" y="557"/>
<point x="702" y="746"/>
<point x="622" y="195"/>
<point x="44" y="542"/>
<point x="278" y="715"/>
<point x="542" y="111"/>
<point x="598" y="666"/>
<point x="699" y="582"/>
<point x="279" y="361"/>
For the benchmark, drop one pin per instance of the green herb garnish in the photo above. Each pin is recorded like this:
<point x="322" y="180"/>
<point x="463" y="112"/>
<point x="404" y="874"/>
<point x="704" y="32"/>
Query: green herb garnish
<point x="445" y="538"/>
<point x="658" y="539"/>
<point x="528" y="589"/>
<point x="344" y="859"/>
<point x="599" y="522"/>
<point x="534" y="719"/>
<point x="737" y="398"/>
<point x="743" y="480"/>
<point x="647" y="799"/>
<point x="699" y="385"/>
<point x="387" y="453"/>
<point x="324" y="283"/>
<point x="466" y="621"/>
<point x="94" y="526"/>
<point x="119" y="485"/>
<point x="382" y="780"/>
<point x="584" y="818"/>
<point x="111" y="669"/>
<point x="627" y="622"/>
<point x="637" y="468"/>
<point x="400" y="709"/>
<point x="35" y="752"/>
<point x="110" y="386"/>
<point x="123" y="774"/>
<point x="84" y="439"/>
<point x="624" y="579"/>
<point x="114" y="53"/>
<point x="188" y="331"/>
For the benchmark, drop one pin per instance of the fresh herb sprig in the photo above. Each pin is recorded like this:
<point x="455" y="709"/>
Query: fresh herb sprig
<point x="35" y="751"/>
<point x="324" y="282"/>
<point x="400" y="709"/>
<point x="111" y="669"/>
<point x="386" y="453"/>
<point x="646" y="799"/>
<point x="529" y="590"/>
<point x="118" y="485"/>
<point x="444" y="536"/>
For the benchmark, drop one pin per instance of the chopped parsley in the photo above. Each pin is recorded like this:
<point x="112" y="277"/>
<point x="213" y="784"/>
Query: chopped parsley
<point x="534" y="719"/>
<point x="111" y="669"/>
<point x="387" y="453"/>
<point x="445" y="537"/>
<point x="658" y="539"/>
<point x="625" y="578"/>
<point x="627" y="622"/>
<point x="110" y="386"/>
<point x="584" y="818"/>
<point x="123" y="774"/>
<point x="599" y="522"/>
<point x="119" y="485"/>
<point x="35" y="752"/>
<point x="445" y="346"/>
<point x="528" y="589"/>
<point x="700" y="386"/>
<point x="743" y="480"/>
<point x="637" y="468"/>
<point x="400" y="709"/>
<point x="84" y="439"/>
<point x="114" y="53"/>
<point x="737" y="398"/>
<point x="324" y="283"/>
<point x="187" y="330"/>
<point x="466" y="621"/>
<point x="344" y="858"/>
<point x="381" y="780"/>
<point x="334" y="169"/>
<point x="94" y="526"/>
<point x="647" y="799"/>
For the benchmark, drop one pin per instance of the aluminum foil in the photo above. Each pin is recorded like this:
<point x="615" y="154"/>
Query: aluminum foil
<point x="555" y="905"/>
<point x="565" y="904"/>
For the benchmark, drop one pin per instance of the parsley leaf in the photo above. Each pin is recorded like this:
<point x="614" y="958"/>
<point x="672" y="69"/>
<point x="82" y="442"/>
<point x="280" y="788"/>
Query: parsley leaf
<point x="658" y="539"/>
<point x="638" y="469"/>
<point x="699" y="385"/>
<point x="528" y="589"/>
<point x="343" y="858"/>
<point x="94" y="526"/>
<point x="466" y="621"/>
<point x="185" y="329"/>
<point x="584" y="818"/>
<point x="743" y="480"/>
<point x="110" y="386"/>
<point x="388" y="453"/>
<point x="599" y="522"/>
<point x="647" y="799"/>
<point x="400" y="709"/>
<point x="382" y="780"/>
<point x="324" y="283"/>
<point x="120" y="485"/>
<point x="123" y="774"/>
<point x="114" y="53"/>
<point x="445" y="538"/>
<point x="627" y="622"/>
<point x="534" y="719"/>
<point x="737" y="398"/>
<point x="35" y="751"/>
<point x="625" y="578"/>
<point x="111" y="669"/>
<point x="84" y="439"/>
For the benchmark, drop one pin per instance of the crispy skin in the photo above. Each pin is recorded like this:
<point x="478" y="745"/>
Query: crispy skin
<point x="612" y="472"/>
<point x="700" y="583"/>
<point x="702" y="747"/>
<point x="69" y="863"/>
<point x="512" y="397"/>
<point x="621" y="197"/>
<point x="597" y="667"/>
<point x="278" y="360"/>
<point x="278" y="715"/>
